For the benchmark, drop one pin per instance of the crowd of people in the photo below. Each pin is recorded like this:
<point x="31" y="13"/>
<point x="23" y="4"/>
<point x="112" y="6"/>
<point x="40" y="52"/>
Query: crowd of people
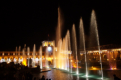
<point x="43" y="78"/>
<point x="13" y="71"/>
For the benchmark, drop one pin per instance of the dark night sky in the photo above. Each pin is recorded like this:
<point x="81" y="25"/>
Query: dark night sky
<point x="30" y="22"/>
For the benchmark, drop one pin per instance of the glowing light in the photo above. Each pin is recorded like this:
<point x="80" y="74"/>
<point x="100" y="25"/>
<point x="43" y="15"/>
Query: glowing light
<point x="49" y="59"/>
<point x="113" y="68"/>
<point x="49" y="48"/>
<point x="77" y="72"/>
<point x="74" y="66"/>
<point x="94" y="68"/>
<point x="104" y="50"/>
<point x="24" y="62"/>
<point x="47" y="66"/>
<point x="71" y="60"/>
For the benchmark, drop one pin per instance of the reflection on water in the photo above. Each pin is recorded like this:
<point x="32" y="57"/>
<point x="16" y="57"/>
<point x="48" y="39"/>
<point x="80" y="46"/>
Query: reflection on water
<point x="56" y="74"/>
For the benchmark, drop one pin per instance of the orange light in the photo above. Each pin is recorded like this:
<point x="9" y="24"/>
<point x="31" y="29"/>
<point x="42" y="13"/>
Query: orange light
<point x="24" y="62"/>
<point x="74" y="66"/>
<point x="71" y="60"/>
<point x="94" y="68"/>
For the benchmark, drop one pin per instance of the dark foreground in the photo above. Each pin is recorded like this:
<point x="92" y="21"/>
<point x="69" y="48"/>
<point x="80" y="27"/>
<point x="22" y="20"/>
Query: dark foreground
<point x="20" y="72"/>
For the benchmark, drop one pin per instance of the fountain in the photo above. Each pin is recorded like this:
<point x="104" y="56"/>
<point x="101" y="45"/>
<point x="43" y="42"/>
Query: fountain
<point x="82" y="43"/>
<point x="75" y="46"/>
<point x="40" y="54"/>
<point x="54" y="60"/>
<point x="112" y="59"/>
<point x="19" y="49"/>
<point x="69" y="50"/>
<point x="94" y="36"/>
<point x="24" y="57"/>
<point x="62" y="58"/>
<point x="28" y="59"/>
<point x="46" y="55"/>
<point x="64" y="54"/>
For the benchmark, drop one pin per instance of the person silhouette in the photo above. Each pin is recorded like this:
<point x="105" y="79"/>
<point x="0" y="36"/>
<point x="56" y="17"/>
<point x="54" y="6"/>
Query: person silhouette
<point x="34" y="78"/>
<point x="116" y="78"/>
<point x="43" y="77"/>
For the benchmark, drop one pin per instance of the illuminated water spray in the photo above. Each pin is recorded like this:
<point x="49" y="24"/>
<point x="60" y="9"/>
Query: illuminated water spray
<point x="68" y="50"/>
<point x="24" y="57"/>
<point x="46" y="63"/>
<point x="93" y="26"/>
<point x="28" y="52"/>
<point x="75" y="46"/>
<point x="16" y="52"/>
<point x="82" y="42"/>
<point x="54" y="60"/>
<point x="40" y="54"/>
<point x="60" y="57"/>
<point x="19" y="54"/>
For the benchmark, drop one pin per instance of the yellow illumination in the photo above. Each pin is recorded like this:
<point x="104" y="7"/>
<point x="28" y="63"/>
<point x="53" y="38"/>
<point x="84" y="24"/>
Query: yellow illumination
<point x="71" y="60"/>
<point x="114" y="68"/>
<point x="47" y="66"/>
<point x="94" y="68"/>
<point x="0" y="58"/>
<point x="24" y="62"/>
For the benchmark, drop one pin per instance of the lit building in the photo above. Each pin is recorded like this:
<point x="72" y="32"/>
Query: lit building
<point x="109" y="57"/>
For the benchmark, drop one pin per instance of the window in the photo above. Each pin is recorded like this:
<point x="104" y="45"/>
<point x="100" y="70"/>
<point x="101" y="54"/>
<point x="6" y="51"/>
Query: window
<point x="16" y="53"/>
<point x="0" y="54"/>
<point x="11" y="53"/>
<point x="6" y="54"/>
<point x="20" y="53"/>
<point x="30" y="53"/>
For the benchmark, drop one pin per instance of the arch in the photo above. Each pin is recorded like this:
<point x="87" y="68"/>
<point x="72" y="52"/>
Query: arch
<point x="105" y="56"/>
<point x="0" y="58"/>
<point x="11" y="58"/>
<point x="20" y="57"/>
<point x="38" y="57"/>
<point x="5" y="57"/>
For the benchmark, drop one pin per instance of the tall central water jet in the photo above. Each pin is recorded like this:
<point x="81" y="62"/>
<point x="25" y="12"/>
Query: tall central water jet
<point x="82" y="42"/>
<point x="94" y="34"/>
<point x="58" y="54"/>
<point x="75" y="46"/>
<point x="58" y="30"/>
